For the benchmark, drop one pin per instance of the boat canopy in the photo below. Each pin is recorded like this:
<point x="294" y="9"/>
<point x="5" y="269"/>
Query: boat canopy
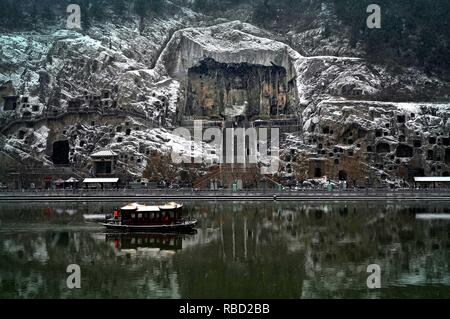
<point x="171" y="205"/>
<point x="145" y="208"/>
<point x="148" y="209"/>
<point x="132" y="206"/>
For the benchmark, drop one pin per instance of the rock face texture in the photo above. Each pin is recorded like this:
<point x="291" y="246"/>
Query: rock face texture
<point x="231" y="42"/>
<point x="215" y="88"/>
<point x="229" y="65"/>
<point x="65" y="95"/>
<point x="375" y="142"/>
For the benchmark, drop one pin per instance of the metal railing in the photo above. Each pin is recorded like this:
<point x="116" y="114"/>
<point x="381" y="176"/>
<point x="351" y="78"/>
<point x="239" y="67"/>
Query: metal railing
<point x="127" y="192"/>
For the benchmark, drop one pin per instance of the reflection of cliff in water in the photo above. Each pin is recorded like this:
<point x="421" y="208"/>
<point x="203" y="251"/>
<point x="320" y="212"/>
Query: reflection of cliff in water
<point x="339" y="241"/>
<point x="246" y="261"/>
<point x="320" y="250"/>
<point x="52" y="213"/>
<point x="33" y="264"/>
<point x="253" y="250"/>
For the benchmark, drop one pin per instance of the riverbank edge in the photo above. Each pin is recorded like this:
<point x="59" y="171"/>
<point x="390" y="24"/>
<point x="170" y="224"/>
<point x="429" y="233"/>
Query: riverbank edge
<point x="232" y="197"/>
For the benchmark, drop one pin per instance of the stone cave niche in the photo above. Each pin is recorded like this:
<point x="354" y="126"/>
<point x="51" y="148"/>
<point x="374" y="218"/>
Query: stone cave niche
<point x="404" y="150"/>
<point x="447" y="156"/>
<point x="10" y="103"/>
<point x="342" y="175"/>
<point x="383" y="148"/>
<point x="60" y="154"/>
<point x="103" y="167"/>
<point x="216" y="89"/>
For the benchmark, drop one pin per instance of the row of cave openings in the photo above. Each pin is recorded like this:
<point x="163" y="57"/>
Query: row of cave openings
<point x="403" y="150"/>
<point x="61" y="152"/>
<point x="61" y="149"/>
<point x="12" y="103"/>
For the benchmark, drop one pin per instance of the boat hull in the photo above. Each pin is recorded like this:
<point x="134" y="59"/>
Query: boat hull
<point x="187" y="225"/>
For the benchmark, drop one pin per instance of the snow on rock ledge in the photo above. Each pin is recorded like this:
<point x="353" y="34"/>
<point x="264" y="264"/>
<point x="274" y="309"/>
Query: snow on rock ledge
<point x="232" y="42"/>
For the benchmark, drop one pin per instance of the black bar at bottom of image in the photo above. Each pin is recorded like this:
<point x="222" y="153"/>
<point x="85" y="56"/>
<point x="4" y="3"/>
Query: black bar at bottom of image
<point x="197" y="308"/>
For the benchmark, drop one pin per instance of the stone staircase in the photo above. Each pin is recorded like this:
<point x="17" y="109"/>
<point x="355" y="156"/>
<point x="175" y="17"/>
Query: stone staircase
<point x="201" y="182"/>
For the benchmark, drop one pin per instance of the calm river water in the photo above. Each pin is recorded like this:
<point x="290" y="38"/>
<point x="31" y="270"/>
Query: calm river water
<point x="240" y="250"/>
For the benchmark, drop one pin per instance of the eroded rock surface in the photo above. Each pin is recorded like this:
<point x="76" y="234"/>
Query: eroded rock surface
<point x="114" y="88"/>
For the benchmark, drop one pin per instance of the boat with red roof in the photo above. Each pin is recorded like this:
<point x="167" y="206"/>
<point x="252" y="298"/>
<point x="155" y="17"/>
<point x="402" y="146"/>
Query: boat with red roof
<point x="146" y="218"/>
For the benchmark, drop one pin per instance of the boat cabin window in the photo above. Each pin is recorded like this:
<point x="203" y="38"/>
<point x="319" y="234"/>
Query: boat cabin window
<point x="139" y="215"/>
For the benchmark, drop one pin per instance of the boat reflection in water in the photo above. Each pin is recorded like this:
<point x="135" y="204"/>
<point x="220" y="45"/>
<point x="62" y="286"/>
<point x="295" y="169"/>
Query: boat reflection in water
<point x="147" y="244"/>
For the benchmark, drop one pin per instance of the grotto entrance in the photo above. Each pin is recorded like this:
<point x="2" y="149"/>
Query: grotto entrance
<point x="447" y="156"/>
<point x="404" y="150"/>
<point x="104" y="167"/>
<point x="342" y="175"/>
<point x="217" y="89"/>
<point x="10" y="103"/>
<point x="60" y="154"/>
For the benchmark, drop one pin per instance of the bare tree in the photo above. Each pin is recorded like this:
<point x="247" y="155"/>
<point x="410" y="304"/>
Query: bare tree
<point x="301" y="167"/>
<point x="159" y="168"/>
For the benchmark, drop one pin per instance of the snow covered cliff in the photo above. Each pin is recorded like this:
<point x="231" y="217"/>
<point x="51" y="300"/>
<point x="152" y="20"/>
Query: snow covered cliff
<point x="120" y="88"/>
